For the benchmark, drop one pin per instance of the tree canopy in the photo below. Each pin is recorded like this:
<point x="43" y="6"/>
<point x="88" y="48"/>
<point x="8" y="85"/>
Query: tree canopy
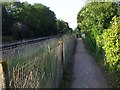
<point x="62" y="27"/>
<point x="39" y="20"/>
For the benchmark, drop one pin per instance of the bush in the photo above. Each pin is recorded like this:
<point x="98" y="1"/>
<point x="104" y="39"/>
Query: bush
<point x="111" y="47"/>
<point x="102" y="37"/>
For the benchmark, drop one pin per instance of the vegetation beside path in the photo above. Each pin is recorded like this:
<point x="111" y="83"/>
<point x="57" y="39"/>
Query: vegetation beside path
<point x="99" y="24"/>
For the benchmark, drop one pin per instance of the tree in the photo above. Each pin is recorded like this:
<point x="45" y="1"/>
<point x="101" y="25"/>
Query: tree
<point x="6" y="21"/>
<point x="94" y="18"/>
<point x="63" y="27"/>
<point x="39" y="18"/>
<point x="20" y="31"/>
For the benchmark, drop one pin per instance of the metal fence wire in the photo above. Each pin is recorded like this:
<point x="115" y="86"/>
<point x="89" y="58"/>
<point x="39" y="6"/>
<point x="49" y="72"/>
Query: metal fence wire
<point x="38" y="65"/>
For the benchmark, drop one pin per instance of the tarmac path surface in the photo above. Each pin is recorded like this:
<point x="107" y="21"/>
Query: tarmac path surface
<point x="86" y="72"/>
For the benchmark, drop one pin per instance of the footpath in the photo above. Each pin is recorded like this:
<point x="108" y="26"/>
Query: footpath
<point x="86" y="72"/>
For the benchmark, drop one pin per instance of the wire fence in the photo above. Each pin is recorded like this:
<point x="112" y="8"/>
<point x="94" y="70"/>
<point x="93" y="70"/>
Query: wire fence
<point x="37" y="65"/>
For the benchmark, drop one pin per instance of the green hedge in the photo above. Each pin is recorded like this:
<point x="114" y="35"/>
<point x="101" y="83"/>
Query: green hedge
<point x="111" y="47"/>
<point x="100" y="23"/>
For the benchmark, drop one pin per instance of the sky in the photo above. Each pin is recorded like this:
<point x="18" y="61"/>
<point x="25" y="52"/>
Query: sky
<point x="66" y="10"/>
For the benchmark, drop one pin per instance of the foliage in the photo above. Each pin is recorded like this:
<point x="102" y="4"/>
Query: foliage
<point x="40" y="65"/>
<point x="62" y="27"/>
<point x="20" y="31"/>
<point x="92" y="20"/>
<point x="6" y="22"/>
<point x="111" y="46"/>
<point x="39" y="20"/>
<point x="7" y="38"/>
<point x="101" y="36"/>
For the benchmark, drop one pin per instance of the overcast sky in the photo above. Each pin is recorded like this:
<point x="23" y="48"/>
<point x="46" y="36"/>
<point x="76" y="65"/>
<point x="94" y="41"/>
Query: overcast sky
<point x="64" y="9"/>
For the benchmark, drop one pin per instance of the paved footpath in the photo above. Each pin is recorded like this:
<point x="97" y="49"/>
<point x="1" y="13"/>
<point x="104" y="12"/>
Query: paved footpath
<point x="86" y="72"/>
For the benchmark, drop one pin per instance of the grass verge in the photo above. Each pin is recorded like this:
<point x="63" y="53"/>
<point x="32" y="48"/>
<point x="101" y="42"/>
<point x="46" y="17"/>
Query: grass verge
<point x="65" y="82"/>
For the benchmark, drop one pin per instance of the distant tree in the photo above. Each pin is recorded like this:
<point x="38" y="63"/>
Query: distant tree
<point x="40" y="20"/>
<point x="63" y="27"/>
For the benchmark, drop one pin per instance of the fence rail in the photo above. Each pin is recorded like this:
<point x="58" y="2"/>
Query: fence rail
<point x="37" y="65"/>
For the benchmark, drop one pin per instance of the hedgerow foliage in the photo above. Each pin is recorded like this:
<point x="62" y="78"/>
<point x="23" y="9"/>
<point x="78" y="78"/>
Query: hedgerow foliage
<point x="100" y="23"/>
<point x="111" y="47"/>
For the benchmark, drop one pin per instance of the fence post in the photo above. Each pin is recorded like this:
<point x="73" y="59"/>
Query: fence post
<point x="3" y="74"/>
<point x="59" y="68"/>
<point x="62" y="55"/>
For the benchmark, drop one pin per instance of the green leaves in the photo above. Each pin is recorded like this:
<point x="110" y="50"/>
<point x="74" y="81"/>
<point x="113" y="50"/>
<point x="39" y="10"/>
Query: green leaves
<point x="101" y="24"/>
<point x="40" y="20"/>
<point x="62" y="27"/>
<point x="112" y="42"/>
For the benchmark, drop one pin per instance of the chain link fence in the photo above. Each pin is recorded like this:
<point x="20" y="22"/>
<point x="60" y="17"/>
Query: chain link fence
<point x="38" y="65"/>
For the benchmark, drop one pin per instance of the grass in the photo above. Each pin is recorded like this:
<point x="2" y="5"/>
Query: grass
<point x="46" y="60"/>
<point x="67" y="71"/>
<point x="38" y="56"/>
